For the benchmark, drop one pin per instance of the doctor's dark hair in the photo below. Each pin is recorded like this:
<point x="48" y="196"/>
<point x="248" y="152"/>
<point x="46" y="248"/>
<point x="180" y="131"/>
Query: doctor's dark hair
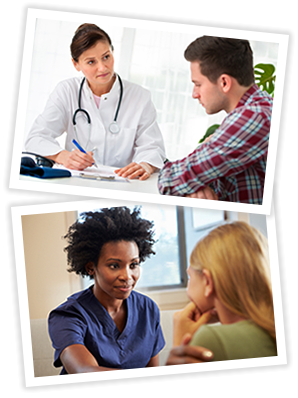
<point x="92" y="230"/>
<point x="85" y="37"/>
<point x="220" y="55"/>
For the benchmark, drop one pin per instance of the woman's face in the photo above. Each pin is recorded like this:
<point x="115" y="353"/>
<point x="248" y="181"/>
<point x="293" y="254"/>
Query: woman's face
<point x="97" y="65"/>
<point x="117" y="270"/>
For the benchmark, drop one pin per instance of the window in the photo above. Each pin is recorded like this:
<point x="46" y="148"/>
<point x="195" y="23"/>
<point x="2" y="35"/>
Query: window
<point x="198" y="222"/>
<point x="163" y="270"/>
<point x="176" y="233"/>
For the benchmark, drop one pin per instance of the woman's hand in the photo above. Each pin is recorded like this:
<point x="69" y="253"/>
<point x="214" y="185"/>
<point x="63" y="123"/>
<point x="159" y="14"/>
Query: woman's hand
<point x="185" y="353"/>
<point x="188" y="321"/>
<point x="133" y="170"/>
<point x="74" y="160"/>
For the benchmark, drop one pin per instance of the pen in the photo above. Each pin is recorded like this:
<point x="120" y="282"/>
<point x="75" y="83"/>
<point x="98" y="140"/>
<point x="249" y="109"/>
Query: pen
<point x="97" y="177"/>
<point x="80" y="148"/>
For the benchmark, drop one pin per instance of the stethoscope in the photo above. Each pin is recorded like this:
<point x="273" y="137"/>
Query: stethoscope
<point x="113" y="127"/>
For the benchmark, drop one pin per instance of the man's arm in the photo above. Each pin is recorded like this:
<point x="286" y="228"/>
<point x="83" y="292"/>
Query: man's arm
<point x="238" y="143"/>
<point x="205" y="193"/>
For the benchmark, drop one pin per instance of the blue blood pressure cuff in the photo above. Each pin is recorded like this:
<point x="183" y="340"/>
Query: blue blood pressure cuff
<point x="30" y="168"/>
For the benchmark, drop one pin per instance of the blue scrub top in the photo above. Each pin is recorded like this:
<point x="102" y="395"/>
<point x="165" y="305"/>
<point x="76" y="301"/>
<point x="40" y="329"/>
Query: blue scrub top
<point x="83" y="320"/>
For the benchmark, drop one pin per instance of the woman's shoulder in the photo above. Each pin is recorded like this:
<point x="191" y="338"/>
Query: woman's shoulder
<point x="142" y="301"/>
<point x="65" y="91"/>
<point x="135" y="295"/>
<point x="69" y="84"/>
<point x="135" y="89"/>
<point x="75" y="303"/>
<point x="238" y="340"/>
<point x="218" y="328"/>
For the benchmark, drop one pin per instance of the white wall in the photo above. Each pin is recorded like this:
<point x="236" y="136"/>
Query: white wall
<point x="153" y="59"/>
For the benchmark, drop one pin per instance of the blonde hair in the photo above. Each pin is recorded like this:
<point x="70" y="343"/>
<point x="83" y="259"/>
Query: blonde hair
<point x="237" y="257"/>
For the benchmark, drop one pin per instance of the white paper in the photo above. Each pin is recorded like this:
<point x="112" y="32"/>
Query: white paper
<point x="99" y="171"/>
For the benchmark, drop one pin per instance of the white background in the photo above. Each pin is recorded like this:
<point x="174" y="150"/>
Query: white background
<point x="274" y="17"/>
<point x="154" y="59"/>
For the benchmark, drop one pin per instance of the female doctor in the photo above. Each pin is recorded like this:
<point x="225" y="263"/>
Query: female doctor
<point x="114" y="121"/>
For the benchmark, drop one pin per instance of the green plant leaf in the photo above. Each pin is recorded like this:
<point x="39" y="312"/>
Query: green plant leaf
<point x="209" y="131"/>
<point x="264" y="77"/>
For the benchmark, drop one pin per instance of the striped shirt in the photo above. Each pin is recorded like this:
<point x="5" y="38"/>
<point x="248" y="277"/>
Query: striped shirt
<point x="233" y="161"/>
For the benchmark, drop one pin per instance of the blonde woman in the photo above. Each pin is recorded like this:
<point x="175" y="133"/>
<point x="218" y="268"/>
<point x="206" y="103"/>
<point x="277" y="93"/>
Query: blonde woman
<point x="229" y="272"/>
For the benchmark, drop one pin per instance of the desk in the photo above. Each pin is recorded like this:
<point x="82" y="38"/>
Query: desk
<point x="134" y="189"/>
<point x="147" y="186"/>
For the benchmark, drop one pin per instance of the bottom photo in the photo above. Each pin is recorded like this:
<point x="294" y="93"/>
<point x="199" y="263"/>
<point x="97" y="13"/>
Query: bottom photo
<point x="108" y="286"/>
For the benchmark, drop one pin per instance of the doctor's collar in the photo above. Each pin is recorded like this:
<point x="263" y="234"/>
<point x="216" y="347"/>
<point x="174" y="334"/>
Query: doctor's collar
<point x="114" y="89"/>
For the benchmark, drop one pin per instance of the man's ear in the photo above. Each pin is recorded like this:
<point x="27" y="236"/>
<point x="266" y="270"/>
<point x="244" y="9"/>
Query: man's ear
<point x="76" y="65"/>
<point x="209" y="286"/>
<point x="90" y="268"/>
<point x="225" y="82"/>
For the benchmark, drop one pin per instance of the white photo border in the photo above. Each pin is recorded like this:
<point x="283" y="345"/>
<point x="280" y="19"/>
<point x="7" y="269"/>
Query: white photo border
<point x="47" y="186"/>
<point x="31" y="380"/>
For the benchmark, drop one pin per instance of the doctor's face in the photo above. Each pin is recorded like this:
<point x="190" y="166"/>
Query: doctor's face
<point x="117" y="270"/>
<point x="97" y="65"/>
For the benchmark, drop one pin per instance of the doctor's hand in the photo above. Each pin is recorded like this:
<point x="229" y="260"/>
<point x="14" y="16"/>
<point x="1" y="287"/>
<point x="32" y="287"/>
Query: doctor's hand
<point x="185" y="353"/>
<point x="205" y="193"/>
<point x="74" y="160"/>
<point x="187" y="321"/>
<point x="141" y="170"/>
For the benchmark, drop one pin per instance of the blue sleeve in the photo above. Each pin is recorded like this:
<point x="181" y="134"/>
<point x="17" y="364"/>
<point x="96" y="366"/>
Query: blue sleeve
<point x="66" y="327"/>
<point x="160" y="341"/>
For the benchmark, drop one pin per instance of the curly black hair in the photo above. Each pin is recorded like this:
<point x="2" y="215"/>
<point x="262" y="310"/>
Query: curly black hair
<point x="88" y="234"/>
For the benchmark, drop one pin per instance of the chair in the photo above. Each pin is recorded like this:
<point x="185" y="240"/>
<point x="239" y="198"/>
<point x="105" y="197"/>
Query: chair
<point x="43" y="352"/>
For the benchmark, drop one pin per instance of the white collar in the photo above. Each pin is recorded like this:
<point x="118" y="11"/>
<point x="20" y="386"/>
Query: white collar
<point x="112" y="93"/>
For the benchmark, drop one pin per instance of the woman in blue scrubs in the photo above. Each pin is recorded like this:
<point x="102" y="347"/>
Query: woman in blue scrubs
<point x="107" y="326"/>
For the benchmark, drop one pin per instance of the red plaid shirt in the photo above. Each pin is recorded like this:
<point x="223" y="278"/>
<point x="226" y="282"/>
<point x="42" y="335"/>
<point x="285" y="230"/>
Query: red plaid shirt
<point x="233" y="162"/>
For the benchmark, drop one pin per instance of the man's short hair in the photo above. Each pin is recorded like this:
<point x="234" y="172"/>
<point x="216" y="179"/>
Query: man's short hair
<point x="219" y="55"/>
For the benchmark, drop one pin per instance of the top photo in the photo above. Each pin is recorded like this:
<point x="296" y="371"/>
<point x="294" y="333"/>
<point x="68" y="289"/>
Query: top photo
<point x="160" y="112"/>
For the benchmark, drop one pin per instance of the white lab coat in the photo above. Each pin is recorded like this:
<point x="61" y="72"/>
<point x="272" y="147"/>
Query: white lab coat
<point x="139" y="139"/>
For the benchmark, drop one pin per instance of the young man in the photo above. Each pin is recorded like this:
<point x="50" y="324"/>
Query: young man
<point x="231" y="164"/>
